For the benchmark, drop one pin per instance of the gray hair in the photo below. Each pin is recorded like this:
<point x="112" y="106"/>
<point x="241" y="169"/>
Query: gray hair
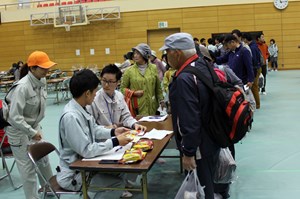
<point x="189" y="52"/>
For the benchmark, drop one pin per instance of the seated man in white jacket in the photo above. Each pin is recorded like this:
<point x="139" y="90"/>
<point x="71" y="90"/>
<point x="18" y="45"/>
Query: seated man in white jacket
<point x="78" y="133"/>
<point x="109" y="107"/>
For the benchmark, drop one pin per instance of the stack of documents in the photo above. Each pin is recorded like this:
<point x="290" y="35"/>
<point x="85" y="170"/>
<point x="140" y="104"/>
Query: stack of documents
<point x="156" y="134"/>
<point x="156" y="118"/>
<point x="114" y="154"/>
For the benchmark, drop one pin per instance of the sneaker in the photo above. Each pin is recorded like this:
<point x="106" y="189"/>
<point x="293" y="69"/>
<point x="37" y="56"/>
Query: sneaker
<point x="126" y="194"/>
<point x="264" y="93"/>
<point x="276" y="70"/>
<point x="217" y="196"/>
<point x="161" y="161"/>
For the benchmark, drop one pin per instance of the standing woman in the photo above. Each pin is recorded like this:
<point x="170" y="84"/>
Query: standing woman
<point x="27" y="102"/>
<point x="273" y="50"/>
<point x="142" y="78"/>
<point x="17" y="73"/>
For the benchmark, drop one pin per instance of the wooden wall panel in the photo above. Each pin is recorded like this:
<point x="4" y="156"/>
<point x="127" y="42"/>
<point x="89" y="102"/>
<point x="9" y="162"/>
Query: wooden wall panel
<point x="235" y="10"/>
<point x="18" y="39"/>
<point x="200" y="22"/>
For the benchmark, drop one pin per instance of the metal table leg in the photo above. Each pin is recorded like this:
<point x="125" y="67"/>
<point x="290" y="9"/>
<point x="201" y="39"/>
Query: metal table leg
<point x="56" y="90"/>
<point x="145" y="185"/>
<point x="84" y="185"/>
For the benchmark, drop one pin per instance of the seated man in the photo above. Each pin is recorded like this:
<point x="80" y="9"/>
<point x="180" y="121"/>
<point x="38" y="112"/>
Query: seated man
<point x="78" y="133"/>
<point x="109" y="107"/>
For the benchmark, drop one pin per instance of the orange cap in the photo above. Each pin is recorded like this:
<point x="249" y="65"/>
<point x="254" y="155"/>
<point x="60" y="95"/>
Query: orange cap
<point x="40" y="59"/>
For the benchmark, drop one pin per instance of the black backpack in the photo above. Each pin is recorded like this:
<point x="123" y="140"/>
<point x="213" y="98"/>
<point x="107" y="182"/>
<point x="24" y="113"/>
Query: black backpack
<point x="231" y="117"/>
<point x="3" y="122"/>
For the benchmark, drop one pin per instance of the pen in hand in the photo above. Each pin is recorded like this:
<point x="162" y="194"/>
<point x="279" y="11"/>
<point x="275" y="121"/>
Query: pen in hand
<point x="118" y="149"/>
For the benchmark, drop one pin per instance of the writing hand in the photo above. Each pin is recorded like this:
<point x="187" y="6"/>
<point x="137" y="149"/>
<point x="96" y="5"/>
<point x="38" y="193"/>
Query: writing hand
<point x="120" y="130"/>
<point x="123" y="139"/>
<point x="139" y="127"/>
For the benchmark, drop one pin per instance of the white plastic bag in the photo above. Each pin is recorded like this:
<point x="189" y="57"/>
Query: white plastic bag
<point x="225" y="170"/>
<point x="250" y="99"/>
<point x="261" y="81"/>
<point x="191" y="187"/>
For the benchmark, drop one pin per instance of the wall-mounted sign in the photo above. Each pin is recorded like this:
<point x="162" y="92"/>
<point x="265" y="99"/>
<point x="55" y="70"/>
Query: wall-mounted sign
<point x="162" y="24"/>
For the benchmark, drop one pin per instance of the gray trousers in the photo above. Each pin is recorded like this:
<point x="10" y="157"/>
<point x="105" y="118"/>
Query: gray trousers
<point x="112" y="180"/>
<point x="27" y="171"/>
<point x="107" y="180"/>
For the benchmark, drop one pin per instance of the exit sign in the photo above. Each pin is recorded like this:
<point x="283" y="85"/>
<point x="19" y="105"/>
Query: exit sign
<point x="162" y="24"/>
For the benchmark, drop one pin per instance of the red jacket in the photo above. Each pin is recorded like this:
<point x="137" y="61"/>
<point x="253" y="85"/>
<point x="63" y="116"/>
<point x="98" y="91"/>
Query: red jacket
<point x="5" y="143"/>
<point x="263" y="49"/>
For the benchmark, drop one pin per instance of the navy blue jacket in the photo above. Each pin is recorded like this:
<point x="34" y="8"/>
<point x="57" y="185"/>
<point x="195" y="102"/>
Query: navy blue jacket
<point x="190" y="104"/>
<point x="240" y="62"/>
<point x="255" y="55"/>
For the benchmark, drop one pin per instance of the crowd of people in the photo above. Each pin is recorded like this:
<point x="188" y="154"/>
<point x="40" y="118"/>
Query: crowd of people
<point x="15" y="70"/>
<point x="100" y="119"/>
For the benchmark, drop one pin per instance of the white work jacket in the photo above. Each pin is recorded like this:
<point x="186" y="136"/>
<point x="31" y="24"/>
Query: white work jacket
<point x="108" y="111"/>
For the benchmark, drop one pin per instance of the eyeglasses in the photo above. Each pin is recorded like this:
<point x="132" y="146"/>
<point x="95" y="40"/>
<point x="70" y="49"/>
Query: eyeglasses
<point x="103" y="82"/>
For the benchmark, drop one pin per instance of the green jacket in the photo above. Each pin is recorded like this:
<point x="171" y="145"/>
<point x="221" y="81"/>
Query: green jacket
<point x="149" y="83"/>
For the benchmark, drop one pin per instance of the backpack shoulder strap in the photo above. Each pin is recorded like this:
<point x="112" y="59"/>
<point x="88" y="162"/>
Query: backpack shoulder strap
<point x="199" y="75"/>
<point x="15" y="84"/>
<point x="203" y="78"/>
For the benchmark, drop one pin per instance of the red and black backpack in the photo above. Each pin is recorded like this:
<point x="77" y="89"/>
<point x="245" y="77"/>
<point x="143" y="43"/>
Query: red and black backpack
<point x="231" y="116"/>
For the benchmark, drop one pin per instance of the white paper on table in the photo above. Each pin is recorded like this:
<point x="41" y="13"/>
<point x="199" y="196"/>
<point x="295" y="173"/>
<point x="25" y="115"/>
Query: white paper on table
<point x="156" y="118"/>
<point x="114" y="154"/>
<point x="156" y="134"/>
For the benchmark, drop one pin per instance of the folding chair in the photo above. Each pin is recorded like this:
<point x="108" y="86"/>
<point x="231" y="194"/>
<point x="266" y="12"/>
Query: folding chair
<point x="53" y="75"/>
<point x="50" y="86"/>
<point x="65" y="88"/>
<point x="36" y="152"/>
<point x="5" y="155"/>
<point x="63" y="74"/>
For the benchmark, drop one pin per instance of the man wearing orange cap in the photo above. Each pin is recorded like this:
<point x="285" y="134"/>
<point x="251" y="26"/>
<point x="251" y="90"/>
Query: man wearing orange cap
<point x="27" y="102"/>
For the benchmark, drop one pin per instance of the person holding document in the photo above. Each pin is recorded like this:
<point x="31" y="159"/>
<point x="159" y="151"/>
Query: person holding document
<point x="109" y="107"/>
<point x="78" y="133"/>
